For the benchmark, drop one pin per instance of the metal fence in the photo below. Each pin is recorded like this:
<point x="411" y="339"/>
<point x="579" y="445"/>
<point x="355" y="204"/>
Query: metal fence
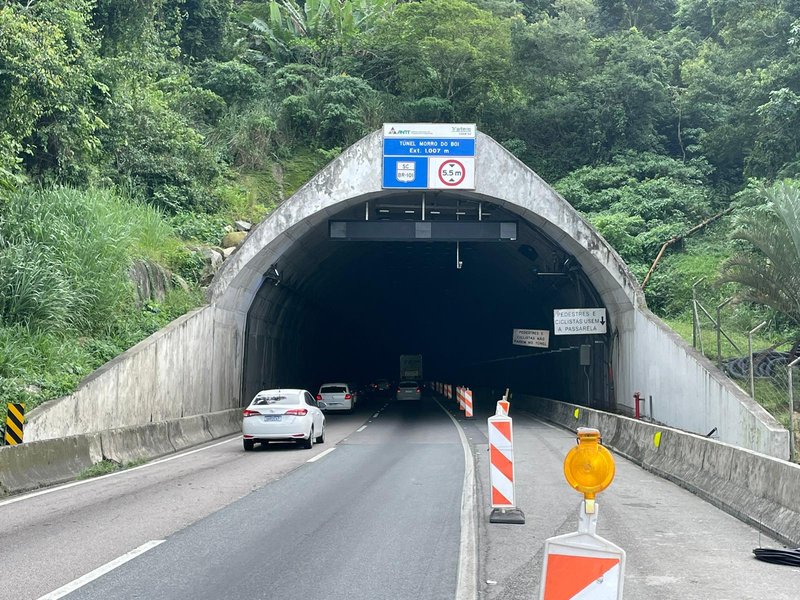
<point x="765" y="373"/>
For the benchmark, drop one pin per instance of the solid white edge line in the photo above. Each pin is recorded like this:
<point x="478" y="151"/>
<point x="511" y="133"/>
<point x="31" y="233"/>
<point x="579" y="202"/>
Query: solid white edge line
<point x="100" y="571"/>
<point x="114" y="474"/>
<point x="321" y="454"/>
<point x="467" y="564"/>
<point x="360" y="429"/>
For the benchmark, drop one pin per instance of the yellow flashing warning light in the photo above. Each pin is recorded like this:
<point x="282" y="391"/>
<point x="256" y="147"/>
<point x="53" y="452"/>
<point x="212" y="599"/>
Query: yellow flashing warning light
<point x="589" y="467"/>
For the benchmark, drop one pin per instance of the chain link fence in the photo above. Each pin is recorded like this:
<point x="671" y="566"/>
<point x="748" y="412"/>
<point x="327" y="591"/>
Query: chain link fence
<point x="766" y="368"/>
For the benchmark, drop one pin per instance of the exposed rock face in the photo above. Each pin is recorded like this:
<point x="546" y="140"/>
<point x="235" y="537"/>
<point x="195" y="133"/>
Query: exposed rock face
<point x="233" y="239"/>
<point x="212" y="261"/>
<point x="228" y="251"/>
<point x="243" y="226"/>
<point x="151" y="279"/>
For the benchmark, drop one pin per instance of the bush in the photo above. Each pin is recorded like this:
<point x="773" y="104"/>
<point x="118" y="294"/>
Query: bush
<point x="235" y="82"/>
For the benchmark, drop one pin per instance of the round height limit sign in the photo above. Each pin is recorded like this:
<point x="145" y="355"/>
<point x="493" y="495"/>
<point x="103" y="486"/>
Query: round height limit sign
<point x="451" y="173"/>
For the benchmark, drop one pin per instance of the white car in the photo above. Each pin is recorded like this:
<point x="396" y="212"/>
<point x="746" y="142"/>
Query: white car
<point x="337" y="396"/>
<point x="283" y="415"/>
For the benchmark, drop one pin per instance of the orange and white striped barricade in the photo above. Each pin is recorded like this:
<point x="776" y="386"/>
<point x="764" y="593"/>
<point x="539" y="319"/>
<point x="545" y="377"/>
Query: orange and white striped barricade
<point x="467" y="401"/>
<point x="503" y="407"/>
<point x="460" y="397"/>
<point x="582" y="565"/>
<point x="448" y="391"/>
<point x="501" y="471"/>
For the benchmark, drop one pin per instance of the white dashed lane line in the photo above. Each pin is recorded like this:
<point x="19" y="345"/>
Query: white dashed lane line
<point x="360" y="429"/>
<point x="100" y="571"/>
<point x="320" y="455"/>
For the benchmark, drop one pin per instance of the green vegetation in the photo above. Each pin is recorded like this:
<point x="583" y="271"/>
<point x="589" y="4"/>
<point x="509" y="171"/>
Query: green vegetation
<point x="105" y="466"/>
<point x="137" y="131"/>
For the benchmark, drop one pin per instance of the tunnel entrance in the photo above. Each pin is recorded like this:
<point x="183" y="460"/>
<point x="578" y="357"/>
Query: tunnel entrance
<point x="343" y="303"/>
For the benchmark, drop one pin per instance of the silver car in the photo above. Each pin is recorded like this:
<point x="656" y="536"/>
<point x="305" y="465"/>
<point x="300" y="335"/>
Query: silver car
<point x="409" y="390"/>
<point x="337" y="396"/>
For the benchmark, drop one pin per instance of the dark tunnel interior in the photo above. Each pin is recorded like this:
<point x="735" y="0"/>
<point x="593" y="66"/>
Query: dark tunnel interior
<point x="336" y="310"/>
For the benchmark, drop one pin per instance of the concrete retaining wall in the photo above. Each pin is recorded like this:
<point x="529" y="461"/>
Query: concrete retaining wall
<point x="758" y="489"/>
<point x="187" y="368"/>
<point x="47" y="462"/>
<point x="688" y="390"/>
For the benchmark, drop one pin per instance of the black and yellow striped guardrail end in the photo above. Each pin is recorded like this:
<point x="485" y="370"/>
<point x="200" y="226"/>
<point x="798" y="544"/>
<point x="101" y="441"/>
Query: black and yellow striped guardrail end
<point x="15" y="420"/>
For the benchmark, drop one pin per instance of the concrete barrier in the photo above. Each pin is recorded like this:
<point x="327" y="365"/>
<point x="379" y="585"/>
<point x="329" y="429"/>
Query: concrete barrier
<point x="760" y="490"/>
<point x="36" y="464"/>
<point x="130" y="444"/>
<point x="48" y="462"/>
<point x="189" y="431"/>
<point x="224" y="422"/>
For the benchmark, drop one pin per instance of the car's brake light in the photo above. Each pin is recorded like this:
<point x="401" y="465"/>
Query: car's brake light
<point x="398" y="390"/>
<point x="299" y="412"/>
<point x="348" y="396"/>
<point x="250" y="413"/>
<point x="419" y="390"/>
<point x="319" y="397"/>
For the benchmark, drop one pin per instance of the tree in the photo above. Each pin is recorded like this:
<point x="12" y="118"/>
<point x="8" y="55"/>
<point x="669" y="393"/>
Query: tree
<point x="769" y="268"/>
<point x="445" y="49"/>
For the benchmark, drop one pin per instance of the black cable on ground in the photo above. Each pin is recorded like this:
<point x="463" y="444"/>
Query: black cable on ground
<point x="779" y="556"/>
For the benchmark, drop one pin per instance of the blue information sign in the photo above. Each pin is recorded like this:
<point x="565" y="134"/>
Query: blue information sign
<point x="405" y="172"/>
<point x="423" y="147"/>
<point x="428" y="156"/>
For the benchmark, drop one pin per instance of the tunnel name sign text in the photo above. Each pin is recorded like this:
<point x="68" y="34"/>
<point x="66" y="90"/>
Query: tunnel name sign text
<point x="429" y="156"/>
<point x="535" y="338"/>
<point x="579" y="321"/>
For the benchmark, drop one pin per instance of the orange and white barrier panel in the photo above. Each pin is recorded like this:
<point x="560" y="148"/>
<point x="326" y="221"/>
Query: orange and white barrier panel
<point x="501" y="470"/>
<point x="465" y="401"/>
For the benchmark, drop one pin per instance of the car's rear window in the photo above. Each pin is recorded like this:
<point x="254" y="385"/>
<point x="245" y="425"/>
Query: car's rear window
<point x="275" y="399"/>
<point x="408" y="384"/>
<point x="333" y="389"/>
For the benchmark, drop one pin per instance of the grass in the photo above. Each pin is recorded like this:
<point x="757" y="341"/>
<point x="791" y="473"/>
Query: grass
<point x="105" y="466"/>
<point x="66" y="303"/>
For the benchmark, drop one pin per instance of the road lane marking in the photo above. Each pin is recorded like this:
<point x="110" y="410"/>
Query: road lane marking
<point x="375" y="416"/>
<point x="362" y="428"/>
<point x="100" y="571"/>
<point x="543" y="422"/>
<point x="321" y="454"/>
<point x="467" y="564"/>
<point x="114" y="474"/>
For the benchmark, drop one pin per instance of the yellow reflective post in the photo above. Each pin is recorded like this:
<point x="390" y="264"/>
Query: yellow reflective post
<point x="589" y="467"/>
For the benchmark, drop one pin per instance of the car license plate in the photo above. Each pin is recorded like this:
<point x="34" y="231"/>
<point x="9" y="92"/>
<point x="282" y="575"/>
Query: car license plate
<point x="269" y="418"/>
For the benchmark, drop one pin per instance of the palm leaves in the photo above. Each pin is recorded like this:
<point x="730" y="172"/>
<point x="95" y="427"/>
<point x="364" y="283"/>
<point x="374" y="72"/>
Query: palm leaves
<point x="770" y="272"/>
<point x="316" y="25"/>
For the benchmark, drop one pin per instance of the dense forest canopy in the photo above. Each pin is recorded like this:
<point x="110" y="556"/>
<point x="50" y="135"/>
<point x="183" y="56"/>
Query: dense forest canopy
<point x="649" y="116"/>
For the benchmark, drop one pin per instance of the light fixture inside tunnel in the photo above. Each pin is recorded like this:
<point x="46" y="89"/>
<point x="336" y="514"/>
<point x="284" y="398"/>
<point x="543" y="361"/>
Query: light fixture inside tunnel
<point x="273" y="275"/>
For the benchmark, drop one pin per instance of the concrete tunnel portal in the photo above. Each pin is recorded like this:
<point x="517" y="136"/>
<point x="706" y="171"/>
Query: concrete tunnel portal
<point x="345" y="309"/>
<point x="347" y="304"/>
<point x="313" y="305"/>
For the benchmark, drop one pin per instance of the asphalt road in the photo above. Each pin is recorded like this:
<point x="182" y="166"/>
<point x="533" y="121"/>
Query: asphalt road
<point x="376" y="517"/>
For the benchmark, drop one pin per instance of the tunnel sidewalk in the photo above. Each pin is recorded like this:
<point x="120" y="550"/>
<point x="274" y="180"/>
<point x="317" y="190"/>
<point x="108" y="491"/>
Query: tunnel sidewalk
<point x="677" y="545"/>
